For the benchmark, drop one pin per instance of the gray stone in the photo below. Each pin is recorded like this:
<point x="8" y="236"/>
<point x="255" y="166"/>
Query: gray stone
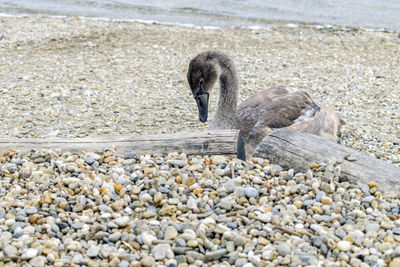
<point x="240" y="262"/>
<point x="18" y="232"/>
<point x="180" y="259"/>
<point x="251" y="192"/>
<point x="180" y="242"/>
<point x="122" y="221"/>
<point x="93" y="251"/>
<point x="29" y="254"/>
<point x="170" y="233"/>
<point x="358" y="237"/>
<point x="372" y="227"/>
<point x="106" y="251"/>
<point x="215" y="255"/>
<point x="396" y="230"/>
<point x="77" y="225"/>
<point x="320" y="195"/>
<point x="160" y="251"/>
<point x="17" y="224"/>
<point x="239" y="241"/>
<point x="148" y="261"/>
<point x="396" y="252"/>
<point x="39" y="261"/>
<point x="227" y="203"/>
<point x="115" y="237"/>
<point x="283" y="249"/>
<point x="89" y="160"/>
<point x="130" y="155"/>
<point x="123" y="264"/>
<point x="10" y="251"/>
<point x="265" y="217"/>
<point x="340" y="232"/>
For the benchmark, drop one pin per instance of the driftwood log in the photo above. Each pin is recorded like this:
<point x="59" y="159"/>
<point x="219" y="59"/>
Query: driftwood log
<point x="298" y="150"/>
<point x="226" y="142"/>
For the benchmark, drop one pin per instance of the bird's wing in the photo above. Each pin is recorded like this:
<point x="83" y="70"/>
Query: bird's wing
<point x="274" y="108"/>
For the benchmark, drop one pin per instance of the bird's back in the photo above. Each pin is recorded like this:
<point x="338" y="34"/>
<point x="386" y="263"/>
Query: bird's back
<point x="276" y="108"/>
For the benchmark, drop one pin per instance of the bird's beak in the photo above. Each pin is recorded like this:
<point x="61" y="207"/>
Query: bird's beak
<point x="202" y="104"/>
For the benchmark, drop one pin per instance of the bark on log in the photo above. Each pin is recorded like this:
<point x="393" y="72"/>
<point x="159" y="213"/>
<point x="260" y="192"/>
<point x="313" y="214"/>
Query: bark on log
<point x="226" y="142"/>
<point x="298" y="150"/>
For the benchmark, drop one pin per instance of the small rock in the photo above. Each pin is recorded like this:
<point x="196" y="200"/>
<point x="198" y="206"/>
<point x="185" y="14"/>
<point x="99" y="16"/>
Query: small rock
<point x="396" y="230"/>
<point x="170" y="233"/>
<point x="218" y="159"/>
<point x="372" y="227"/>
<point x="115" y="237"/>
<point x="148" y="238"/>
<point x="227" y="203"/>
<point x="251" y="192"/>
<point x="326" y="200"/>
<point x="29" y="254"/>
<point x="343" y="246"/>
<point x="239" y="241"/>
<point x="10" y="251"/>
<point x="265" y="217"/>
<point x="93" y="251"/>
<point x="148" y="261"/>
<point x="130" y="155"/>
<point x="160" y="251"/>
<point x="122" y="221"/>
<point x="89" y="160"/>
<point x="215" y="255"/>
<point x="38" y="261"/>
<point x="283" y="249"/>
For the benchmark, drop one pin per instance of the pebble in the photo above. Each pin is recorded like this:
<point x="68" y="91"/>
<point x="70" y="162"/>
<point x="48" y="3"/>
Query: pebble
<point x="130" y="155"/>
<point x="283" y="249"/>
<point x="172" y="219"/>
<point x="396" y="230"/>
<point x="29" y="254"/>
<point x="122" y="221"/>
<point x="396" y="261"/>
<point x="38" y="261"/>
<point x="227" y="203"/>
<point x="148" y="261"/>
<point x="89" y="160"/>
<point x="218" y="159"/>
<point x="251" y="192"/>
<point x="114" y="237"/>
<point x="93" y="251"/>
<point x="160" y="251"/>
<point x="10" y="251"/>
<point x="344" y="246"/>
<point x="215" y="255"/>
<point x="170" y="233"/>
<point x="372" y="227"/>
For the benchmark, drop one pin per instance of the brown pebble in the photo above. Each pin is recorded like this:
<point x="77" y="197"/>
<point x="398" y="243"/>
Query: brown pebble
<point x="33" y="218"/>
<point x="109" y="159"/>
<point x="190" y="180"/>
<point x="118" y="188"/>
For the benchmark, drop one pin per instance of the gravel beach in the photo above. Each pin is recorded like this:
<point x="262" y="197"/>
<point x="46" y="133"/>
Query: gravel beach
<point x="76" y="77"/>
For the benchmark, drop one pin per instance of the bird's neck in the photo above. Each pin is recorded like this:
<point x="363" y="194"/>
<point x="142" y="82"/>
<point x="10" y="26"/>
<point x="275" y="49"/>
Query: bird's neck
<point x="226" y="111"/>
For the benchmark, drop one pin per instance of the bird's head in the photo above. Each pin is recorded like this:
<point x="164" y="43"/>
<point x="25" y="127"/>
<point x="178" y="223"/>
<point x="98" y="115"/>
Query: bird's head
<point x="202" y="75"/>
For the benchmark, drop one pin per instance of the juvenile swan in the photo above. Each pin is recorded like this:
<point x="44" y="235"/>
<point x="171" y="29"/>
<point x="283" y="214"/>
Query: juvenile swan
<point x="263" y="112"/>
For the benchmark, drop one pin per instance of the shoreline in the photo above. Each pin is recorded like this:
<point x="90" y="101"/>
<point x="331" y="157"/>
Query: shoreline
<point x="267" y="24"/>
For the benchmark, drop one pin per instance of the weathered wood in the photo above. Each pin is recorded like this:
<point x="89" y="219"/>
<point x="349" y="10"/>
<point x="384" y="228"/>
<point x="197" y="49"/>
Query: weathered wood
<point x="226" y="142"/>
<point x="298" y="150"/>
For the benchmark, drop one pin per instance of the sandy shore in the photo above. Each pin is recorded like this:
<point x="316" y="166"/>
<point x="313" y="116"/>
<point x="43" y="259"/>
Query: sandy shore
<point x="75" y="77"/>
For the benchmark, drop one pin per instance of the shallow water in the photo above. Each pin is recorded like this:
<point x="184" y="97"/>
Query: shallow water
<point x="222" y="13"/>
